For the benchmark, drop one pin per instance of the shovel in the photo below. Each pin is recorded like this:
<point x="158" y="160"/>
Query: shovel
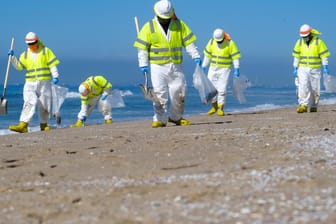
<point x="147" y="92"/>
<point x="3" y="103"/>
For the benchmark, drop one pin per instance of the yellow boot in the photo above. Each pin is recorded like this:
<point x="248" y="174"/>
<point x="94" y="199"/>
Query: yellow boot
<point x="220" y="111"/>
<point x="158" y="124"/>
<point x="22" y="127"/>
<point x="108" y="121"/>
<point x="44" y="127"/>
<point x="301" y="109"/>
<point x="79" y="123"/>
<point x="181" y="122"/>
<point x="213" y="109"/>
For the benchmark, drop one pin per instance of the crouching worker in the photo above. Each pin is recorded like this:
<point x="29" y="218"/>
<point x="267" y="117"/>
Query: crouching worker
<point x="94" y="90"/>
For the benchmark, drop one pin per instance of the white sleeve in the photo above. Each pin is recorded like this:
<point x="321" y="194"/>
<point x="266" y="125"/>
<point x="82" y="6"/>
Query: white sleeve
<point x="192" y="51"/>
<point x="325" y="61"/>
<point x="206" y="61"/>
<point x="142" y="57"/>
<point x="236" y="63"/>
<point x="83" y="111"/>
<point x="15" y="62"/>
<point x="296" y="62"/>
<point x="54" y="72"/>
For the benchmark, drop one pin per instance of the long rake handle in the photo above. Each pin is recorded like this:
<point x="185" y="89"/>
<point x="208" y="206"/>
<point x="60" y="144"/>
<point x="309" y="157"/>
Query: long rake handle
<point x="7" y="70"/>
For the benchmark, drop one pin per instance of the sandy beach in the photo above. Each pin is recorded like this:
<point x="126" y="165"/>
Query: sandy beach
<point x="272" y="166"/>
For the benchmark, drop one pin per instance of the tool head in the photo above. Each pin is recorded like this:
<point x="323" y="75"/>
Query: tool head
<point x="3" y="106"/>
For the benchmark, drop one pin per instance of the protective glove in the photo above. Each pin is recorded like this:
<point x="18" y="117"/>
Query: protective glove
<point x="10" y="52"/>
<point x="54" y="80"/>
<point x="295" y="72"/>
<point x="104" y="96"/>
<point x="204" y="69"/>
<point x="144" y="69"/>
<point x="198" y="61"/>
<point x="236" y="72"/>
<point x="325" y="70"/>
<point x="83" y="118"/>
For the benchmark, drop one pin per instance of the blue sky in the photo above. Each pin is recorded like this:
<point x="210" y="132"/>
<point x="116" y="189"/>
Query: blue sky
<point x="97" y="36"/>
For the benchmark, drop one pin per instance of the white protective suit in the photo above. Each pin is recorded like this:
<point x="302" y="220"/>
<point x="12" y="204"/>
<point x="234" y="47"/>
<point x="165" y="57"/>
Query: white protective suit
<point x="220" y="79"/>
<point x="36" y="93"/>
<point x="86" y="110"/>
<point x="168" y="81"/>
<point x="309" y="84"/>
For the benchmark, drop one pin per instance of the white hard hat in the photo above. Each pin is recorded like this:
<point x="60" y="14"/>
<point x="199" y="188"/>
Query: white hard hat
<point x="164" y="9"/>
<point x="305" y="30"/>
<point x="218" y="35"/>
<point x="84" y="89"/>
<point x="31" y="37"/>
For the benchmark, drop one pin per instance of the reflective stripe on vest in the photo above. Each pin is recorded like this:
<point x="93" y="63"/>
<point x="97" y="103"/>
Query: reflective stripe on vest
<point x="221" y="55"/>
<point x="39" y="69"/>
<point x="310" y="56"/>
<point x="173" y="51"/>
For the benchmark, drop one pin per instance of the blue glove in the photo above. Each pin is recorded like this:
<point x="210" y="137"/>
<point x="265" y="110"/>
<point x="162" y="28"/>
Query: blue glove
<point x="204" y="69"/>
<point x="198" y="61"/>
<point x="83" y="119"/>
<point x="295" y="72"/>
<point x="144" y="69"/>
<point x="104" y="96"/>
<point x="236" y="72"/>
<point x="54" y="80"/>
<point x="10" y="52"/>
<point x="325" y="70"/>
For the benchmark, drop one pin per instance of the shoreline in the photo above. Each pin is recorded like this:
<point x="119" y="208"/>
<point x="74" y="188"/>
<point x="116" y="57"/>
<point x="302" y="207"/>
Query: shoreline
<point x="262" y="167"/>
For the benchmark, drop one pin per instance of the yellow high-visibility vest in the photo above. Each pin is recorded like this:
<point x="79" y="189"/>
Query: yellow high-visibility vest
<point x="98" y="84"/>
<point x="38" y="69"/>
<point x="221" y="55"/>
<point x="161" y="50"/>
<point x="310" y="56"/>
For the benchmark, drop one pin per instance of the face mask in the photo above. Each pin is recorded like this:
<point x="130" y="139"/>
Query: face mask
<point x="164" y="21"/>
<point x="307" y="38"/>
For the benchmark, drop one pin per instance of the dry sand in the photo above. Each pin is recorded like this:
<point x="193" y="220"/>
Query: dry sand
<point x="266" y="167"/>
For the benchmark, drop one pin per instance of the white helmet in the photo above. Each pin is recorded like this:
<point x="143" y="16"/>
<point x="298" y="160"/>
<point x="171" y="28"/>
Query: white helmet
<point x="164" y="9"/>
<point x="84" y="89"/>
<point x="305" y="30"/>
<point x="31" y="37"/>
<point x="218" y="35"/>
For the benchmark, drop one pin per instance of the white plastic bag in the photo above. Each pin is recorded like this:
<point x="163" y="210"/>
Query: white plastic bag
<point x="58" y="94"/>
<point x="114" y="100"/>
<point x="329" y="82"/>
<point x="206" y="89"/>
<point x="239" y="85"/>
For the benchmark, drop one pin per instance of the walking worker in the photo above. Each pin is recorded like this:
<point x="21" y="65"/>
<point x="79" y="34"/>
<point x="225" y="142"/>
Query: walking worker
<point x="310" y="52"/>
<point x="40" y="64"/>
<point x="160" y="43"/>
<point x="94" y="90"/>
<point x="220" y="52"/>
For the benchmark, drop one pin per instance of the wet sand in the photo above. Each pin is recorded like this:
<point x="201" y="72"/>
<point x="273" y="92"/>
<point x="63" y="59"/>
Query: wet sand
<point x="272" y="166"/>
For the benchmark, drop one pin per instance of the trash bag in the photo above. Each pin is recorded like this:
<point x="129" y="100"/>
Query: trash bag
<point x="58" y="94"/>
<point x="206" y="89"/>
<point x="329" y="82"/>
<point x="239" y="85"/>
<point x="113" y="100"/>
<point x="116" y="99"/>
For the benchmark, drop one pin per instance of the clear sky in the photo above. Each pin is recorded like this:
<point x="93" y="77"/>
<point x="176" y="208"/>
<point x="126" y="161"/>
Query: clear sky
<point x="102" y="33"/>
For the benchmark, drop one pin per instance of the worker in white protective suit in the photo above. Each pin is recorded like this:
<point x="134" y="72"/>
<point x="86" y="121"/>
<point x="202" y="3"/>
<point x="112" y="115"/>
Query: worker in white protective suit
<point x="94" y="90"/>
<point x="40" y="64"/>
<point x="220" y="52"/>
<point x="160" y="43"/>
<point x="310" y="54"/>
